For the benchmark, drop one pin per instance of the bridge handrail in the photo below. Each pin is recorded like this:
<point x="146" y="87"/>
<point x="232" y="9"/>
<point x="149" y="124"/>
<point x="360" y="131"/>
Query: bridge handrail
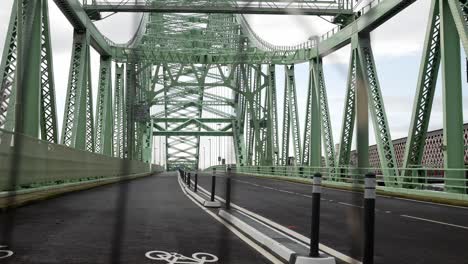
<point x="309" y="44"/>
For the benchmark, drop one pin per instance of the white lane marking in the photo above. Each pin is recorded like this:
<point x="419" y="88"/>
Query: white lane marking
<point x="381" y="195"/>
<point x="290" y="232"/>
<point x="424" y="202"/>
<point x="247" y="240"/>
<point x="433" y="221"/>
<point x="6" y="253"/>
<point x="353" y="205"/>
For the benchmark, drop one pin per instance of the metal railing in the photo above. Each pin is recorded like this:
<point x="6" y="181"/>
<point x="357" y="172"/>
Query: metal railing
<point x="432" y="182"/>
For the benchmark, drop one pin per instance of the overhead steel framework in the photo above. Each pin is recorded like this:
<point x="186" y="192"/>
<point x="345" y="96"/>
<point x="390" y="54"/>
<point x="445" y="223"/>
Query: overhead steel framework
<point x="307" y="7"/>
<point x="196" y="68"/>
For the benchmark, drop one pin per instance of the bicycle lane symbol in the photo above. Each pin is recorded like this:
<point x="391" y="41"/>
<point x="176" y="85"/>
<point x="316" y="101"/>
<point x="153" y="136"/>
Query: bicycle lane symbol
<point x="176" y="258"/>
<point x="4" y="253"/>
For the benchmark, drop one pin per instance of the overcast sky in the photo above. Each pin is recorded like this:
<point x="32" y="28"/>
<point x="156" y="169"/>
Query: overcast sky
<point x="397" y="48"/>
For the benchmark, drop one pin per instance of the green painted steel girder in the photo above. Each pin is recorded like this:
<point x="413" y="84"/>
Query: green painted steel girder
<point x="76" y="15"/>
<point x="425" y="90"/>
<point x="193" y="133"/>
<point x="453" y="143"/>
<point x="201" y="120"/>
<point x="31" y="72"/>
<point x="377" y="110"/>
<point x="263" y="7"/>
<point x="104" y="117"/>
<point x="78" y="124"/>
<point x="260" y="53"/>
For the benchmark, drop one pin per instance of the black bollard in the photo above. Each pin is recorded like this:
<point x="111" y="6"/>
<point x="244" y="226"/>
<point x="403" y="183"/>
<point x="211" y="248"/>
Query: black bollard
<point x="315" y="221"/>
<point x="188" y="180"/>
<point x="196" y="182"/>
<point x="213" y="187"/>
<point x="369" y="218"/>
<point x="228" y="193"/>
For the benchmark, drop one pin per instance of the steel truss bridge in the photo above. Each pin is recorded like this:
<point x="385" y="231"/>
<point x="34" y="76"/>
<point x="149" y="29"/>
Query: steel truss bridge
<point x="194" y="64"/>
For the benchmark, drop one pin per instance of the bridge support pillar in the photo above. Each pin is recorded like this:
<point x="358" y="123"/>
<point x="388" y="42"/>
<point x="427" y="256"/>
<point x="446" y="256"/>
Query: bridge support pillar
<point x="452" y="101"/>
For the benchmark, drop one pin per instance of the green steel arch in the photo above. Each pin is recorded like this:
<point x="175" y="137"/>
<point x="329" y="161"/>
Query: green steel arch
<point x="195" y="64"/>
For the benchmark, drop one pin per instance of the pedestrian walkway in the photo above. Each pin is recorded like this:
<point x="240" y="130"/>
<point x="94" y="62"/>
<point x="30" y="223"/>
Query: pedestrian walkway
<point x="148" y="220"/>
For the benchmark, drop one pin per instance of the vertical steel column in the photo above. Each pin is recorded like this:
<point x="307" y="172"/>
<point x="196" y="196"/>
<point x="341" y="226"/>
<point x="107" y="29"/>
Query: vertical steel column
<point x="459" y="10"/>
<point x="379" y="119"/>
<point x="48" y="113"/>
<point x="118" y="111"/>
<point x="424" y="97"/>
<point x="294" y="114"/>
<point x="78" y="106"/>
<point x="452" y="100"/>
<point x="130" y="97"/>
<point x="30" y="70"/>
<point x="326" y="129"/>
<point x="8" y="71"/>
<point x="308" y="120"/>
<point x="362" y="116"/>
<point x="238" y="123"/>
<point x="286" y="121"/>
<point x="271" y="118"/>
<point x="104" y="117"/>
<point x="272" y="100"/>
<point x="349" y="115"/>
<point x="291" y="117"/>
<point x="315" y="146"/>
<point x="37" y="82"/>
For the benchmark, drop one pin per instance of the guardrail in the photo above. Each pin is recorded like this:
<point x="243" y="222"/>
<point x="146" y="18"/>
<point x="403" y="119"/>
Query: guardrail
<point x="39" y="162"/>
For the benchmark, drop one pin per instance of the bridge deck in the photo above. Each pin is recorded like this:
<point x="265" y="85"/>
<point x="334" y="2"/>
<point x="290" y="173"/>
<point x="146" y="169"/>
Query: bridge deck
<point x="406" y="231"/>
<point x="81" y="227"/>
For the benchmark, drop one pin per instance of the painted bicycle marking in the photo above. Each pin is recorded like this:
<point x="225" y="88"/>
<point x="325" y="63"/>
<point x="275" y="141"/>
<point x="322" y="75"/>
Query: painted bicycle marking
<point x="4" y="253"/>
<point x="176" y="258"/>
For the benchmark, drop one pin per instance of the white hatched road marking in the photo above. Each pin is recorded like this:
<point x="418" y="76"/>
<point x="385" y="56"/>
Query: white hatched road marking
<point x="290" y="232"/>
<point x="247" y="240"/>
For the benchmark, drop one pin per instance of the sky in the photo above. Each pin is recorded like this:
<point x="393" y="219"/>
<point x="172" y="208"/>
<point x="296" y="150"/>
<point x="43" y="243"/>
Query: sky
<point x="397" y="47"/>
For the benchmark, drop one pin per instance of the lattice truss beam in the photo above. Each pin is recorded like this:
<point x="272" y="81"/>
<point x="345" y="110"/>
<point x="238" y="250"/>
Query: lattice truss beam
<point x="261" y="123"/>
<point x="38" y="79"/>
<point x="162" y="68"/>
<point x="35" y="70"/>
<point x="182" y="117"/>
<point x="362" y="79"/>
<point x="447" y="27"/>
<point x="290" y="119"/>
<point x="305" y="7"/>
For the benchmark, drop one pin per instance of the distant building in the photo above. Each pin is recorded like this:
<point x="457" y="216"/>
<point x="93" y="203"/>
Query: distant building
<point x="433" y="155"/>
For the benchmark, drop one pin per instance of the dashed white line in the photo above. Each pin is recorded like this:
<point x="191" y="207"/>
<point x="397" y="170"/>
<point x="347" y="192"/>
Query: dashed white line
<point x="433" y="221"/>
<point x="380" y="195"/>
<point x="347" y="204"/>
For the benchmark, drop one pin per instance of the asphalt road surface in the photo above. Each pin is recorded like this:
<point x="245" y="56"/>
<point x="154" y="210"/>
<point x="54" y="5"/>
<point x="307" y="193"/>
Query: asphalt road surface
<point x="119" y="223"/>
<point x="406" y="231"/>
